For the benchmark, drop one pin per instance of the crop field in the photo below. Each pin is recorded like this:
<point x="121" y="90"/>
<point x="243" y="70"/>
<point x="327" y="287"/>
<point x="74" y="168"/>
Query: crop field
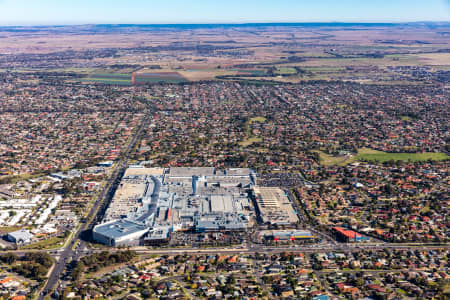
<point x="433" y="58"/>
<point x="126" y="79"/>
<point x="252" y="72"/>
<point x="113" y="79"/>
<point x="169" y="77"/>
<point x="285" y="71"/>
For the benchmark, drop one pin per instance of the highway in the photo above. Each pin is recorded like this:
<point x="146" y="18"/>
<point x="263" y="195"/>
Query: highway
<point x="342" y="247"/>
<point x="95" y="213"/>
<point x="304" y="249"/>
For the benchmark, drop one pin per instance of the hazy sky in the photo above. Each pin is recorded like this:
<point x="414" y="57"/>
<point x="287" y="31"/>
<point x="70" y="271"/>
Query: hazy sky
<point x="47" y="12"/>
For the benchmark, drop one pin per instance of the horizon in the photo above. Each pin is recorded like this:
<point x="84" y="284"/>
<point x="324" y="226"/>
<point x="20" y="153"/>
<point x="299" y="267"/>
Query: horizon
<point x="55" y="13"/>
<point x="350" y="23"/>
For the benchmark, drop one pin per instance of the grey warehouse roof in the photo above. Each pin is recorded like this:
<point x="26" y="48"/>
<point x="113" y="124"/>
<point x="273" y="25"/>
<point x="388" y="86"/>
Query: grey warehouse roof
<point x="119" y="228"/>
<point x="21" y="235"/>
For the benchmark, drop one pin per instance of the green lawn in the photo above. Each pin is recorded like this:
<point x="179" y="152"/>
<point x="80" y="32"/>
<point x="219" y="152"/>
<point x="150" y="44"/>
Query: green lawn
<point x="110" y="75"/>
<point x="250" y="141"/>
<point x="162" y="78"/>
<point x="46" y="244"/>
<point x="108" y="81"/>
<point x="258" y="119"/>
<point x="405" y="118"/>
<point x="380" y="156"/>
<point x="285" y="71"/>
<point x="329" y="160"/>
<point x="366" y="154"/>
<point x="254" y="72"/>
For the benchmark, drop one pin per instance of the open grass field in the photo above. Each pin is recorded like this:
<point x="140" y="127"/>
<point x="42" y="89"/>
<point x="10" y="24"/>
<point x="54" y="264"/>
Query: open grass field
<point x="330" y="160"/>
<point x="379" y="156"/>
<point x="46" y="244"/>
<point x="258" y="119"/>
<point x="7" y="229"/>
<point x="105" y="78"/>
<point x="107" y="81"/>
<point x="285" y="71"/>
<point x="433" y="58"/>
<point x="250" y="141"/>
<point x="155" y="77"/>
<point x="255" y="72"/>
<point x="140" y="78"/>
<point x="366" y="154"/>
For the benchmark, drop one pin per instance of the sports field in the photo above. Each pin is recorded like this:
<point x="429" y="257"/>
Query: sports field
<point x="380" y="156"/>
<point x="370" y="155"/>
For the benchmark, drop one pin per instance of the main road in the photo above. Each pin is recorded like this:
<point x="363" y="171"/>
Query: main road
<point x="253" y="248"/>
<point x="96" y="211"/>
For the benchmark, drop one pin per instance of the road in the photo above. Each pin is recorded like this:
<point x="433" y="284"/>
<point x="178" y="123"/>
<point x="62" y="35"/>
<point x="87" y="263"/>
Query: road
<point x="96" y="212"/>
<point x="341" y="247"/>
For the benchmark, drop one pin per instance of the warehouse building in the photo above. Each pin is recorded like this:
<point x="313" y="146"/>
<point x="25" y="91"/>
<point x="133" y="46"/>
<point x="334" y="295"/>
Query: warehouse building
<point x="119" y="233"/>
<point x="20" y="237"/>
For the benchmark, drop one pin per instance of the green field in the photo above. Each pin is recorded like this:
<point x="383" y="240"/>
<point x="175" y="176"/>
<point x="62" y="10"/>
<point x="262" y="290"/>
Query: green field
<point x="285" y="71"/>
<point x="50" y="243"/>
<point x="108" y="81"/>
<point x="330" y="160"/>
<point x="370" y="155"/>
<point x="258" y="119"/>
<point x="250" y="141"/>
<point x="158" y="80"/>
<point x="405" y="118"/>
<point x="380" y="156"/>
<point x="257" y="82"/>
<point x="252" y="72"/>
<point x="105" y="78"/>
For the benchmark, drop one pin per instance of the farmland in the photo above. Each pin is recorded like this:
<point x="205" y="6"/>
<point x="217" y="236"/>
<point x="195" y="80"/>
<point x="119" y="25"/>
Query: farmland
<point x="166" y="77"/>
<point x="358" y="53"/>
<point x="138" y="78"/>
<point x="113" y="79"/>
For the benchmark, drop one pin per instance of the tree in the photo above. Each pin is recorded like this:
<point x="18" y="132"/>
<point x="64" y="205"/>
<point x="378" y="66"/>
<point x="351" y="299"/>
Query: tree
<point x="231" y="279"/>
<point x="9" y="258"/>
<point x="77" y="271"/>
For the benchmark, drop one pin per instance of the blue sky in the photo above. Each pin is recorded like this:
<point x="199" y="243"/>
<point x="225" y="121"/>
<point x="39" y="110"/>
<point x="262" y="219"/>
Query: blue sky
<point x="48" y="12"/>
